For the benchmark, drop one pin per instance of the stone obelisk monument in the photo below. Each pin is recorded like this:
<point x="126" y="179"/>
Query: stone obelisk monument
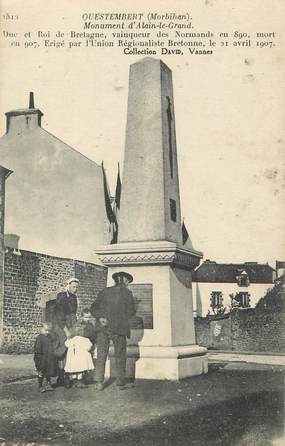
<point x="150" y="237"/>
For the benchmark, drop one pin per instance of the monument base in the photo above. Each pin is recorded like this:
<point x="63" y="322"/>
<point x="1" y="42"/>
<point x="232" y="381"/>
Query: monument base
<point x="171" y="363"/>
<point x="162" y="343"/>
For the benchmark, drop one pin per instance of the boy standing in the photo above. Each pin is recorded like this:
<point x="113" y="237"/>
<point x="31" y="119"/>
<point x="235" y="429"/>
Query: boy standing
<point x="66" y="304"/>
<point x="44" y="358"/>
<point x="88" y="322"/>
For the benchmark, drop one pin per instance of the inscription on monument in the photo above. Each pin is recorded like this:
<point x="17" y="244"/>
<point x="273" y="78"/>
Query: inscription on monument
<point x="144" y="298"/>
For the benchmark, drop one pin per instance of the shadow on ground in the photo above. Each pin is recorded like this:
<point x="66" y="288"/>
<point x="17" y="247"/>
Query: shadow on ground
<point x="229" y="408"/>
<point x="239" y="422"/>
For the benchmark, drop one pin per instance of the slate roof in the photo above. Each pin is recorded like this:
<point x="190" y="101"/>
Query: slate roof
<point x="210" y="271"/>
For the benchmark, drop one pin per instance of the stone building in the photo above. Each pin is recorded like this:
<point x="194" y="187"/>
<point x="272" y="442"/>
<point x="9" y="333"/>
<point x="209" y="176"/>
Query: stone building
<point x="54" y="205"/>
<point x="55" y="198"/>
<point x="245" y="282"/>
<point x="28" y="279"/>
<point x="259" y="329"/>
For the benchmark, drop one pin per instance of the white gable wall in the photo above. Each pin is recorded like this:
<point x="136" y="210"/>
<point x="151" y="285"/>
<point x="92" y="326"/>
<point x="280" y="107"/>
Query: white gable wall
<point x="55" y="199"/>
<point x="202" y="294"/>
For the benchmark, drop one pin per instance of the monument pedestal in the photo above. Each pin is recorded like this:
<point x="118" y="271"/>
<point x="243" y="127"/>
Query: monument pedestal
<point x="165" y="347"/>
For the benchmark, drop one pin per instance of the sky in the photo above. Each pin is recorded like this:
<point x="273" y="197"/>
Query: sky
<point x="229" y="111"/>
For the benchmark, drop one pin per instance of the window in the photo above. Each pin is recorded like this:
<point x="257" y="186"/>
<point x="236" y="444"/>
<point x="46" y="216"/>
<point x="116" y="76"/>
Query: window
<point x="243" y="279"/>
<point x="173" y="210"/>
<point x="241" y="300"/>
<point x="216" y="302"/>
<point x="169" y="121"/>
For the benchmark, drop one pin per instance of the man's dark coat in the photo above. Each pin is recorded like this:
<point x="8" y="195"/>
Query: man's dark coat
<point x="116" y="304"/>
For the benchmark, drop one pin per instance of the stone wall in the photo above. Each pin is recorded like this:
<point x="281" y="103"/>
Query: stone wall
<point x="28" y="278"/>
<point x="93" y="278"/>
<point x="214" y="333"/>
<point x="252" y="331"/>
<point x="203" y="331"/>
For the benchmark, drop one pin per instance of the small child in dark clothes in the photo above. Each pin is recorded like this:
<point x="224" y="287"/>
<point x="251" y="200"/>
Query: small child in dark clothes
<point x="90" y="329"/>
<point x="88" y="322"/>
<point x="60" y="353"/>
<point x="44" y="358"/>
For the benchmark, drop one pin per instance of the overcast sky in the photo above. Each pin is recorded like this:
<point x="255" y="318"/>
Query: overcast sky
<point x="229" y="111"/>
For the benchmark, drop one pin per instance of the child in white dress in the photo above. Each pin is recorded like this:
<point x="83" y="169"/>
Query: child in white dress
<point x="78" y="357"/>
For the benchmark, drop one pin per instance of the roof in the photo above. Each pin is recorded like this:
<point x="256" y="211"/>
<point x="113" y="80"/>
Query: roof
<point x="210" y="271"/>
<point x="23" y="111"/>
<point x="6" y="172"/>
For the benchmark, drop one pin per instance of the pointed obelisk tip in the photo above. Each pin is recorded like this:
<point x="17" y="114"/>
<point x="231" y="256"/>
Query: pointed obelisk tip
<point x="31" y="100"/>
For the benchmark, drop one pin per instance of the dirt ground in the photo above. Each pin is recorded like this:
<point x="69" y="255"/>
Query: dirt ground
<point x="235" y="405"/>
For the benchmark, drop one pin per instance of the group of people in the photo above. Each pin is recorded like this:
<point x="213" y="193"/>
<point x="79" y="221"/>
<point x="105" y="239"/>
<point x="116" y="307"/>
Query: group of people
<point x="69" y="349"/>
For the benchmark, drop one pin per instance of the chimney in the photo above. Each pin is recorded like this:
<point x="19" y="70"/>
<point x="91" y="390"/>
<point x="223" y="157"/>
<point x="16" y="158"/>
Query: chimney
<point x="31" y="101"/>
<point x="21" y="120"/>
<point x="11" y="241"/>
<point x="4" y="173"/>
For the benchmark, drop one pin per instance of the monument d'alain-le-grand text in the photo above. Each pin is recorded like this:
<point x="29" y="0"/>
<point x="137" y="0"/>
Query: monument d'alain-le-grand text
<point x="150" y="245"/>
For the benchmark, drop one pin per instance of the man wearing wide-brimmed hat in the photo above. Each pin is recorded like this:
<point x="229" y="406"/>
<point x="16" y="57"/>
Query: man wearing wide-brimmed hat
<point x="113" y="309"/>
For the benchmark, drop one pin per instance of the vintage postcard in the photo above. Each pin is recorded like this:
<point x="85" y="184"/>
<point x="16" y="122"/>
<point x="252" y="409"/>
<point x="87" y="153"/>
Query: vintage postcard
<point x="142" y="203"/>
